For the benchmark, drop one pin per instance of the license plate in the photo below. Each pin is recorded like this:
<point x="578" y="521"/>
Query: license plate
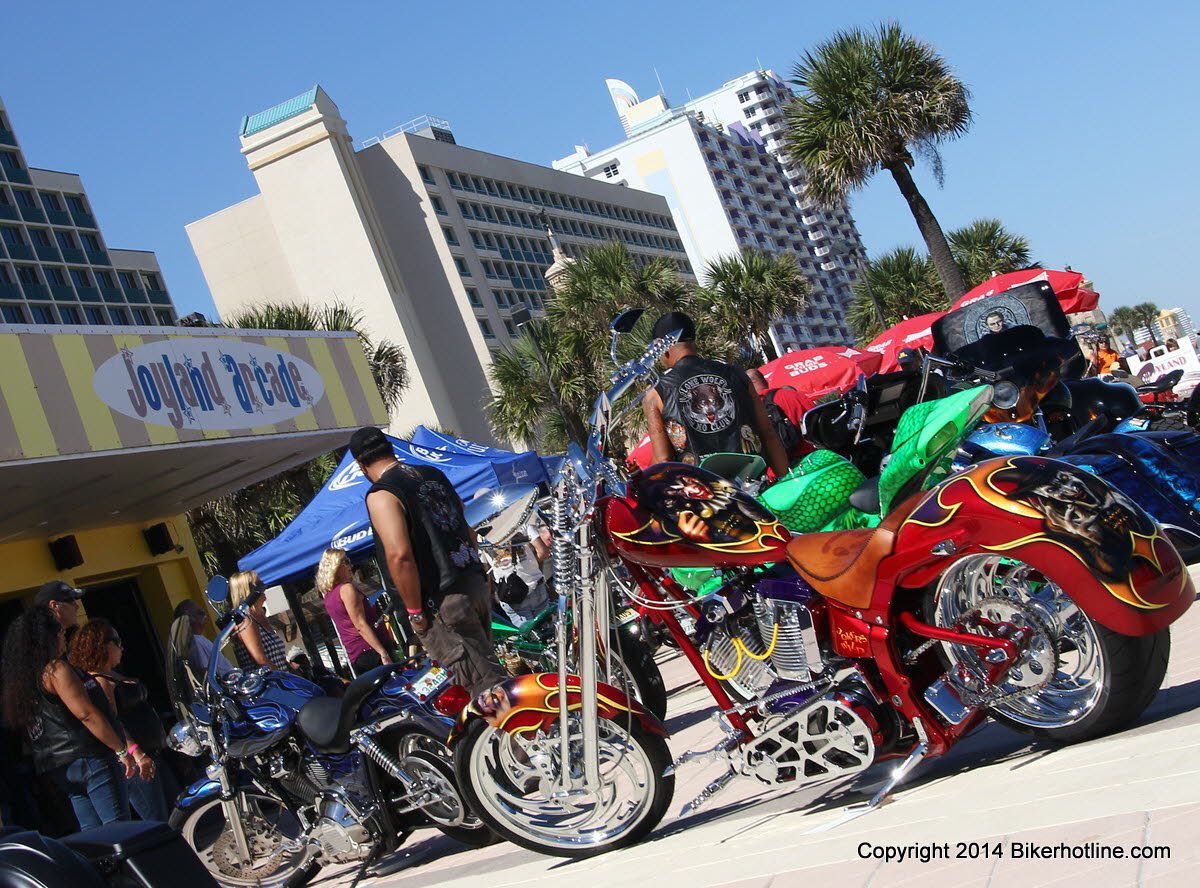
<point x="429" y="682"/>
<point x="627" y="616"/>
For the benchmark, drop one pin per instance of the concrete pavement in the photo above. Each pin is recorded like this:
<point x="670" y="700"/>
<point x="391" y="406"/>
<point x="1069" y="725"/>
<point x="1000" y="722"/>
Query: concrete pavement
<point x="996" y="793"/>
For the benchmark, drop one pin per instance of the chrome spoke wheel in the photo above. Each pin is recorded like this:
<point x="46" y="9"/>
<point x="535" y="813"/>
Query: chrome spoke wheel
<point x="1059" y="677"/>
<point x="520" y="785"/>
<point x="275" y="837"/>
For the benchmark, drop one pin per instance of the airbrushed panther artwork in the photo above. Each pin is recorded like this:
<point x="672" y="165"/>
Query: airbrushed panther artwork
<point x="1076" y="511"/>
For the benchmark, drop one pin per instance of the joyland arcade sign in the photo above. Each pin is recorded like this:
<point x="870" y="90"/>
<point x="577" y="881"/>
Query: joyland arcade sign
<point x="208" y="383"/>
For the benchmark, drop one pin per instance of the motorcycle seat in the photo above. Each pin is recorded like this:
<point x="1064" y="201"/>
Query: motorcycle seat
<point x="1162" y="384"/>
<point x="841" y="564"/>
<point x="327" y="721"/>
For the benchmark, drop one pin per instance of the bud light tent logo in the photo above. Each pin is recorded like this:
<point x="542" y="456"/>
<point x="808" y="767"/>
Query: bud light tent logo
<point x="344" y="539"/>
<point x="208" y="384"/>
<point x="347" y="476"/>
<point x="433" y="456"/>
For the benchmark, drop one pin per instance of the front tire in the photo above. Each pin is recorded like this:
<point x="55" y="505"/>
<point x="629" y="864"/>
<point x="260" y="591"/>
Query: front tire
<point x="501" y="779"/>
<point x="1083" y="679"/>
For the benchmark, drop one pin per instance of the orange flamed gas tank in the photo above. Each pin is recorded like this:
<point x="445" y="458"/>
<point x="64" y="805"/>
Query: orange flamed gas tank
<point x="678" y="515"/>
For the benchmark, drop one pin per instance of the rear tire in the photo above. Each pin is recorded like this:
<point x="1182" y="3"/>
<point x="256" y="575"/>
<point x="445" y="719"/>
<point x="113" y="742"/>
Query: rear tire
<point x="486" y="768"/>
<point x="1100" y="681"/>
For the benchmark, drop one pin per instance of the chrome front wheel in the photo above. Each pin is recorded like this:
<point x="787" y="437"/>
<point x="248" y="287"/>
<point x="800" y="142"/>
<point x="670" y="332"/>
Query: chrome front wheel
<point x="1075" y="679"/>
<point x="515" y="784"/>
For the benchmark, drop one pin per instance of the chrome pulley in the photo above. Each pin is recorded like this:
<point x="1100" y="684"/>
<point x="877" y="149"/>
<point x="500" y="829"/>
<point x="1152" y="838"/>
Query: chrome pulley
<point x="1059" y="673"/>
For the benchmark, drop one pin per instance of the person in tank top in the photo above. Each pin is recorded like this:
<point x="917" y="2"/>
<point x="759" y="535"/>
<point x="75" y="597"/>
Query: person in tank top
<point x="354" y="615"/>
<point x="702" y="406"/>
<point x="255" y="642"/>
<point x="71" y="727"/>
<point x="430" y="560"/>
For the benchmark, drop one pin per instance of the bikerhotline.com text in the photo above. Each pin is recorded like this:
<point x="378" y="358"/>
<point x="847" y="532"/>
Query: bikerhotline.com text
<point x="925" y="852"/>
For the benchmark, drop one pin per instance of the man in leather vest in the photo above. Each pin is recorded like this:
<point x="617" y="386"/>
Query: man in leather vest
<point x="702" y="406"/>
<point x="429" y="558"/>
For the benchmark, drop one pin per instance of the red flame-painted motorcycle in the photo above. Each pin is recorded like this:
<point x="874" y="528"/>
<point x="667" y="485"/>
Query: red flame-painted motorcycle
<point x="1023" y="589"/>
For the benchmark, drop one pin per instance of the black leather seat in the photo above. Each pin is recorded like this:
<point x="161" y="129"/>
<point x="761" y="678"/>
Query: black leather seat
<point x="327" y="721"/>
<point x="1162" y="384"/>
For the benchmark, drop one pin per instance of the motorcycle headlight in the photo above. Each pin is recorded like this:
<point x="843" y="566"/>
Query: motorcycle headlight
<point x="184" y="739"/>
<point x="1005" y="395"/>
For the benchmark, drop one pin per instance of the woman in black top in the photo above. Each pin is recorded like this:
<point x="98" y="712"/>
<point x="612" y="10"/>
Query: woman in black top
<point x="67" y="719"/>
<point x="96" y="650"/>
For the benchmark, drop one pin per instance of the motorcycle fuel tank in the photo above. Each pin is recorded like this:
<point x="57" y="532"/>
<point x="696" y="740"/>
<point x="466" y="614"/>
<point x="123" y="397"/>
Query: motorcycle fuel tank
<point x="678" y="515"/>
<point x="270" y="701"/>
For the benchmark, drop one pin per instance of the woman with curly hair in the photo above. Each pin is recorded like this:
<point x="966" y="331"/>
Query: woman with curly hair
<point x="96" y="649"/>
<point x="353" y="614"/>
<point x="67" y="719"/>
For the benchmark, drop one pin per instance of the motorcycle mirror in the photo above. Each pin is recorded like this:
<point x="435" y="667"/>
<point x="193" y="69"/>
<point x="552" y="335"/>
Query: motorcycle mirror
<point x="626" y="321"/>
<point x="498" y="514"/>
<point x="217" y="590"/>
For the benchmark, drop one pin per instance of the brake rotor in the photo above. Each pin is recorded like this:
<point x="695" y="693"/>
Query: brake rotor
<point x="262" y="847"/>
<point x="1039" y="650"/>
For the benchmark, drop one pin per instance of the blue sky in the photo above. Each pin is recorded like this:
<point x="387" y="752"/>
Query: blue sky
<point x="1085" y="138"/>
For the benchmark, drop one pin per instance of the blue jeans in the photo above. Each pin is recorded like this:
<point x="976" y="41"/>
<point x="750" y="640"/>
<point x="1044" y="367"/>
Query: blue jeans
<point x="96" y="786"/>
<point x="149" y="798"/>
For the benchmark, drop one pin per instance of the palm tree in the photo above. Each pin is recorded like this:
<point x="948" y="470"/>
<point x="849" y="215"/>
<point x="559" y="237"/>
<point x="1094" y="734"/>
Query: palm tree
<point x="1147" y="315"/>
<point x="897" y="285"/>
<point x="985" y="248"/>
<point x="745" y="293"/>
<point x="232" y="525"/>
<point x="547" y="381"/>
<point x="867" y="102"/>
<point x="1123" y="320"/>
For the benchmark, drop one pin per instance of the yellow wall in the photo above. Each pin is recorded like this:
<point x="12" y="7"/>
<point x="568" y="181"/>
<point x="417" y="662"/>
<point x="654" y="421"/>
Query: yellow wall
<point x="112" y="553"/>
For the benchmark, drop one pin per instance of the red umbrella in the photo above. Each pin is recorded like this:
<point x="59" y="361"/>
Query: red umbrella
<point x="1067" y="285"/>
<point x="909" y="333"/>
<point x="818" y="371"/>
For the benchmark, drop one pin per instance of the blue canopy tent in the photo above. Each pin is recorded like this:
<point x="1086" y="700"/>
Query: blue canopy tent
<point x="337" y="515"/>
<point x="426" y="437"/>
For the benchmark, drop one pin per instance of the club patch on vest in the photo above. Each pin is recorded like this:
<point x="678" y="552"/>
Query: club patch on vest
<point x="706" y="403"/>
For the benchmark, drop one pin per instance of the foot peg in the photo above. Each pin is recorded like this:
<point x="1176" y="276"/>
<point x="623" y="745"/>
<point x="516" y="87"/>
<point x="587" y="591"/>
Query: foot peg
<point x="707" y="793"/>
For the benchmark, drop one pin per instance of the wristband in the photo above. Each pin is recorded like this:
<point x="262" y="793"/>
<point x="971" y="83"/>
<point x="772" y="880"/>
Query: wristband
<point x="133" y="749"/>
<point x="412" y="612"/>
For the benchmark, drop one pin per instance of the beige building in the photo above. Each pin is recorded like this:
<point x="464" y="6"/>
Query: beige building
<point x="433" y="242"/>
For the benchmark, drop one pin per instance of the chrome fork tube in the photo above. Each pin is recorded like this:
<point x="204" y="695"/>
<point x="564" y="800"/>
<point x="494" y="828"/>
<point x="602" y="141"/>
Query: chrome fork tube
<point x="588" y="589"/>
<point x="233" y="816"/>
<point x="564" y="577"/>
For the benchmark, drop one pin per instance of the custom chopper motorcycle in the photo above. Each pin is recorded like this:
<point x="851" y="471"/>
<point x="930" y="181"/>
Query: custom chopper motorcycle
<point x="298" y="780"/>
<point x="499" y="519"/>
<point x="1023" y="589"/>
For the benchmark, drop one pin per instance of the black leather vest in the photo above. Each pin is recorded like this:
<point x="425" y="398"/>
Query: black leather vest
<point x="437" y="528"/>
<point x="707" y="408"/>
<point x="58" y="737"/>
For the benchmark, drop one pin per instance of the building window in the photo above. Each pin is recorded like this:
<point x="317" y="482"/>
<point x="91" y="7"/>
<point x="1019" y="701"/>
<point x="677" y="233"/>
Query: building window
<point x="141" y="317"/>
<point x="451" y="237"/>
<point x="12" y="236"/>
<point x="51" y="202"/>
<point x="152" y="281"/>
<point x="95" y="317"/>
<point x="119" y="316"/>
<point x="128" y="280"/>
<point x="10" y="161"/>
<point x="461" y="266"/>
<point x="164" y="318"/>
<point x="27" y="274"/>
<point x="66" y="240"/>
<point x="473" y="297"/>
<point x="25" y="198"/>
<point x="510" y="329"/>
<point x="54" y="276"/>
<point x="438" y="206"/>
<point x="42" y="314"/>
<point x="13" y="314"/>
<point x="612" y="170"/>
<point x="75" y="202"/>
<point x="104" y="279"/>
<point x="69" y="314"/>
<point x="80" y="277"/>
<point x="744" y="96"/>
<point x="487" y="330"/>
<point x="426" y="176"/>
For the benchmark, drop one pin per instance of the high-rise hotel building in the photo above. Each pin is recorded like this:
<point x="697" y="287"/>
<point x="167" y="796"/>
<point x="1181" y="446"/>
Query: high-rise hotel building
<point x="434" y="243"/>
<point x="55" y="266"/>
<point x="720" y="163"/>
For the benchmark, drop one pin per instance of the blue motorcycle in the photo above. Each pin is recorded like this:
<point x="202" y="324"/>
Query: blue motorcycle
<point x="299" y="780"/>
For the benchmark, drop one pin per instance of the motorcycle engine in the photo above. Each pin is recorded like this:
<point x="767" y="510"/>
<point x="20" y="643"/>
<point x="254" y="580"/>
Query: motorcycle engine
<point x="343" y="836"/>
<point x="755" y="642"/>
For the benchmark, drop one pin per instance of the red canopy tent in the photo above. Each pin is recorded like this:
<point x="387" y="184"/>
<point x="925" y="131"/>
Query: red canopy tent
<point x="909" y="333"/>
<point x="818" y="371"/>
<point x="1067" y="285"/>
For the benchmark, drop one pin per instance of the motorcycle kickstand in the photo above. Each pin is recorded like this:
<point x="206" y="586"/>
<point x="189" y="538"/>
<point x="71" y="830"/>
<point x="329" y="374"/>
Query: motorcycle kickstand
<point x="883" y="796"/>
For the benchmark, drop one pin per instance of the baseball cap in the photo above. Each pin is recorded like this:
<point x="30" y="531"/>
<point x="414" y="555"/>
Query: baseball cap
<point x="57" y="590"/>
<point x="368" y="440"/>
<point x="675" y="320"/>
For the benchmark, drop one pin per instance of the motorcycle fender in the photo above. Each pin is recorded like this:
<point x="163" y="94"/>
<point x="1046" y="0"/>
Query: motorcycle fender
<point x="1101" y="548"/>
<point x="205" y="789"/>
<point x="529" y="703"/>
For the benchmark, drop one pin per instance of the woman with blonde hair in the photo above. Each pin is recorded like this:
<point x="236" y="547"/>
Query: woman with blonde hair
<point x="255" y="642"/>
<point x="353" y="614"/>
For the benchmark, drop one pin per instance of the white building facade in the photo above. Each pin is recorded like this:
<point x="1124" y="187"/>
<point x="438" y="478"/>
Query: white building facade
<point x="434" y="243"/>
<point x="55" y="266"/>
<point x="719" y="162"/>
